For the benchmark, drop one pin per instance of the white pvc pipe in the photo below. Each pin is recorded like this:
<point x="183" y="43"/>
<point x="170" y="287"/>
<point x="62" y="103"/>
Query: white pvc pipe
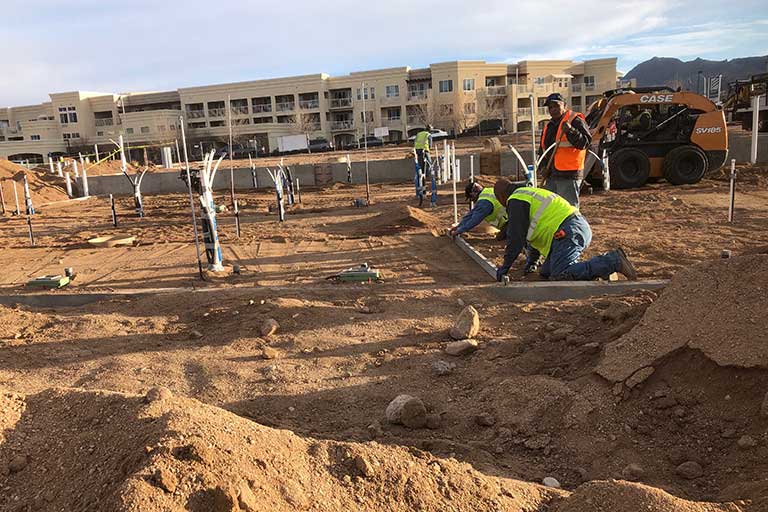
<point x="58" y="168"/>
<point x="538" y="162"/>
<point x="74" y="167"/>
<point x="96" y="151"/>
<point x="69" y="184"/>
<point x="533" y="142"/>
<point x="50" y="164"/>
<point x="732" y="195"/>
<point x="471" y="167"/>
<point x="755" y="126"/>
<point x="16" y="197"/>
<point x="85" y="183"/>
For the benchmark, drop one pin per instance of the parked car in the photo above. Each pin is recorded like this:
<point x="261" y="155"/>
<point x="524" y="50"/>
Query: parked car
<point x="237" y="151"/>
<point x="489" y="127"/>
<point x="372" y="142"/>
<point x="436" y="135"/>
<point x="320" y="146"/>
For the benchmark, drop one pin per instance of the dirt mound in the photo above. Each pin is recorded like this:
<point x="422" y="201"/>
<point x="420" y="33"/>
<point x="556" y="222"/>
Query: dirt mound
<point x="67" y="449"/>
<point x="716" y="307"/>
<point x="620" y="496"/>
<point x="110" y="167"/>
<point x="44" y="188"/>
<point x="389" y="219"/>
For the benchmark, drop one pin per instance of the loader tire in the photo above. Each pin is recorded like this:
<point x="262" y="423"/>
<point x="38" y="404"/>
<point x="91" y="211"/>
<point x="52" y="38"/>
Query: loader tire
<point x="629" y="168"/>
<point x="685" y="165"/>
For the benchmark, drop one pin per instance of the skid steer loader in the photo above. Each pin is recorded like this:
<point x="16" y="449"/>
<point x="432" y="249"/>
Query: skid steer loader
<point x="653" y="133"/>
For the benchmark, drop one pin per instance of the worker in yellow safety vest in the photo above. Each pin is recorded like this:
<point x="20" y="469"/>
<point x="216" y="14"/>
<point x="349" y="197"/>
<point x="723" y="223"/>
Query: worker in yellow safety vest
<point x="421" y="145"/>
<point x="556" y="229"/>
<point x="487" y="208"/>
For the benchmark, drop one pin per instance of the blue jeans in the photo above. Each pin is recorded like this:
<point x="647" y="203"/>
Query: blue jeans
<point x="563" y="264"/>
<point x="566" y="188"/>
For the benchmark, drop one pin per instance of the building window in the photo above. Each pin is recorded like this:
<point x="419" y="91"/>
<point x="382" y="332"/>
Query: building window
<point x="129" y="131"/>
<point x="470" y="108"/>
<point x="393" y="91"/>
<point x="446" y="109"/>
<point x="589" y="80"/>
<point x="72" y="114"/>
<point x="217" y="124"/>
<point x="34" y="137"/>
<point x="63" y="119"/>
<point x="262" y="120"/>
<point x="161" y="127"/>
<point x="445" y="86"/>
<point x="201" y="124"/>
<point x="366" y="116"/>
<point x="173" y="127"/>
<point x="145" y="129"/>
<point x="74" y="135"/>
<point x="286" y="119"/>
<point x="365" y="95"/>
<point x="99" y="134"/>
<point x="539" y="80"/>
<point x="469" y="84"/>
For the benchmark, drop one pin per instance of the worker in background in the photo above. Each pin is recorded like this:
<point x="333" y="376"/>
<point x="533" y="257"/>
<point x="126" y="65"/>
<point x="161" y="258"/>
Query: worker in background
<point x="556" y="229"/>
<point x="421" y="145"/>
<point x="564" y="164"/>
<point x="641" y="122"/>
<point x="487" y="208"/>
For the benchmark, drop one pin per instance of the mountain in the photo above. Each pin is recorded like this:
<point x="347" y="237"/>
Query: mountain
<point x="676" y="73"/>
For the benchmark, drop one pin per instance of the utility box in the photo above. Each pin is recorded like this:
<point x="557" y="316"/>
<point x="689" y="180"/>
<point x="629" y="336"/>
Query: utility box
<point x="292" y="143"/>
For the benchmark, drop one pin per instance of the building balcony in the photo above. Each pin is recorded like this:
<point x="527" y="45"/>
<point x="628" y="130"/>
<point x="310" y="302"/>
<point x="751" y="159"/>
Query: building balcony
<point x="418" y="120"/>
<point x="341" y="102"/>
<point x="105" y="122"/>
<point x="542" y="111"/>
<point x="417" y="96"/>
<point x="576" y="87"/>
<point x="342" y="125"/>
<point x="391" y="100"/>
<point x="497" y="90"/>
<point x="258" y="109"/>
<point x="217" y="112"/>
<point x="240" y="111"/>
<point x="286" y="107"/>
<point x="589" y="87"/>
<point x="309" y="104"/>
<point x="523" y="89"/>
<point x="392" y="121"/>
<point x="524" y="112"/>
<point x="195" y="114"/>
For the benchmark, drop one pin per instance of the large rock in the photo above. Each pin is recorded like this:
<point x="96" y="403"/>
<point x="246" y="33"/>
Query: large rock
<point x="407" y="410"/>
<point x="461" y="348"/>
<point x="689" y="470"/>
<point x="467" y="324"/>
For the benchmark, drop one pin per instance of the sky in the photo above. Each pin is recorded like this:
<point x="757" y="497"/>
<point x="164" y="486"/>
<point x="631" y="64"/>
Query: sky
<point x="153" y="45"/>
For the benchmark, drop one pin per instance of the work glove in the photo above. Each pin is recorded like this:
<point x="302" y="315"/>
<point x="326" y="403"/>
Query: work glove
<point x="502" y="234"/>
<point x="501" y="272"/>
<point x="531" y="267"/>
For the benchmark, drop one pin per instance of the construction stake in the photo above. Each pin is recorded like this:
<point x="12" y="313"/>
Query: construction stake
<point x="732" y="202"/>
<point x="16" y="198"/>
<point x="2" y="197"/>
<point x="191" y="199"/>
<point x="114" y="212"/>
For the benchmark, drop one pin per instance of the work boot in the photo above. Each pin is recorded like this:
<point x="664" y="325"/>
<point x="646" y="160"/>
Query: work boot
<point x="625" y="266"/>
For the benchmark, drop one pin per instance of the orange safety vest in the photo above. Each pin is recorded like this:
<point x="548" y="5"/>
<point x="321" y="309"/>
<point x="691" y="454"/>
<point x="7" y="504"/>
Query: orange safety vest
<point x="567" y="157"/>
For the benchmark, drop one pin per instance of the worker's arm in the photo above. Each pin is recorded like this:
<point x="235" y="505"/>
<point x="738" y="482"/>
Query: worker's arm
<point x="578" y="135"/>
<point x="517" y="229"/>
<point x="473" y="217"/>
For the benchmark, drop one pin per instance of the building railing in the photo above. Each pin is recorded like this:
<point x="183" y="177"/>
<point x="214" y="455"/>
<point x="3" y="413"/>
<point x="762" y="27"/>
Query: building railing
<point x="309" y="104"/>
<point x="105" y="122"/>
<point x="496" y="90"/>
<point x="524" y="112"/>
<point x="392" y="121"/>
<point x="417" y="95"/>
<point x="589" y="87"/>
<point x="286" y="106"/>
<point x="523" y="89"/>
<point x="542" y="111"/>
<point x="341" y="102"/>
<point x="342" y="125"/>
<point x="240" y="110"/>
<point x="216" y="112"/>
<point x="262" y="107"/>
<point x="195" y="114"/>
<point x="576" y="87"/>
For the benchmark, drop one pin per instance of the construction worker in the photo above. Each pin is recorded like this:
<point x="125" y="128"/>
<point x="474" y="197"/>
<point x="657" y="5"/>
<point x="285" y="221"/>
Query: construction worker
<point x="556" y="229"/>
<point x="487" y="208"/>
<point x="421" y="145"/>
<point x="564" y="164"/>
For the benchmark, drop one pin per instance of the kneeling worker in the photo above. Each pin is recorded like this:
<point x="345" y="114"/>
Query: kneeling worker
<point x="487" y="208"/>
<point x="557" y="230"/>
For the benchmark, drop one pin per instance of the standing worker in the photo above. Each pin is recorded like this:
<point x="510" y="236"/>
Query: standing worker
<point x="421" y="145"/>
<point x="556" y="229"/>
<point x="487" y="208"/>
<point x="564" y="164"/>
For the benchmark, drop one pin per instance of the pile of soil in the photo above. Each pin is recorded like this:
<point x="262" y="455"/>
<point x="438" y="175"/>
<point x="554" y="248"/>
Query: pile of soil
<point x="110" y="167"/>
<point x="716" y="307"/>
<point x="390" y="219"/>
<point x="43" y="187"/>
<point x="67" y="449"/>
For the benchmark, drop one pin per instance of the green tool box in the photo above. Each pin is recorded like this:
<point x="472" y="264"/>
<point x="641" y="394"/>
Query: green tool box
<point x="360" y="274"/>
<point x="49" y="282"/>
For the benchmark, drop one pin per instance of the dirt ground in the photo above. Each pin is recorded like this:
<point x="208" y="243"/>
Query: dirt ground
<point x="557" y="389"/>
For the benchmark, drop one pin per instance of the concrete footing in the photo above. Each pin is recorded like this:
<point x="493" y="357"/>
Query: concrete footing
<point x="541" y="291"/>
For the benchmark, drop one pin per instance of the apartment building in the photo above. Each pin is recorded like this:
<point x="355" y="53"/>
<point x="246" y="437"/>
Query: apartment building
<point x="454" y="96"/>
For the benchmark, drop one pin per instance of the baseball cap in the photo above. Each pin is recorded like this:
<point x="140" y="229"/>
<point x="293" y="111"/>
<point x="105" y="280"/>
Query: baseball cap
<point x="555" y="96"/>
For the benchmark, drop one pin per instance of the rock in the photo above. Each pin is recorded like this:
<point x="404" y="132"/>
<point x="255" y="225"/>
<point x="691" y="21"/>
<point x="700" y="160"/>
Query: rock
<point x="246" y="499"/>
<point x="551" y="482"/>
<point x="729" y="433"/>
<point x="461" y="348"/>
<point x="591" y="348"/>
<point x="158" y="394"/>
<point x="618" y="389"/>
<point x="196" y="334"/>
<point x="640" y="376"/>
<point x="633" y="473"/>
<point x="269" y="353"/>
<point x="746" y="442"/>
<point x="295" y="495"/>
<point x="442" y="368"/>
<point x="467" y="324"/>
<point x="165" y="480"/>
<point x="407" y="410"/>
<point x="433" y="421"/>
<point x="461" y="302"/>
<point x="764" y="407"/>
<point x="196" y="451"/>
<point x="269" y="327"/>
<point x="689" y="470"/>
<point x="561" y="333"/>
<point x="485" y="420"/>
<point x="375" y="430"/>
<point x="17" y="463"/>
<point x="363" y="466"/>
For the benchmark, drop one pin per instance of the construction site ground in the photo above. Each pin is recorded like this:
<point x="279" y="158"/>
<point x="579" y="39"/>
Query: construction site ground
<point x="632" y="388"/>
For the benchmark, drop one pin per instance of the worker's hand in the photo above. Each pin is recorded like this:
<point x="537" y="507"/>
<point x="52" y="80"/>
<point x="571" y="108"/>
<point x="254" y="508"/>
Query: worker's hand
<point x="567" y="126"/>
<point x="501" y="272"/>
<point x="452" y="232"/>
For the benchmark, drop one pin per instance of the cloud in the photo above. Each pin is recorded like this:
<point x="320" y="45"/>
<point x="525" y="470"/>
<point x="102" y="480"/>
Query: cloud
<point x="156" y="45"/>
